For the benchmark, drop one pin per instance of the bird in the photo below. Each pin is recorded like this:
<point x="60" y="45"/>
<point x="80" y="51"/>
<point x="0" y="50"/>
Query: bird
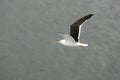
<point x="73" y="39"/>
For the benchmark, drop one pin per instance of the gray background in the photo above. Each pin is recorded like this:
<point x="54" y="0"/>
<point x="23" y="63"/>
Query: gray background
<point x="29" y="48"/>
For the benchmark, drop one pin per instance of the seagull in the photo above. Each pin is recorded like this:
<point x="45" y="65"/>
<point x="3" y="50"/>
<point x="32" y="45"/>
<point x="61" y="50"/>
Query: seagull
<point x="73" y="39"/>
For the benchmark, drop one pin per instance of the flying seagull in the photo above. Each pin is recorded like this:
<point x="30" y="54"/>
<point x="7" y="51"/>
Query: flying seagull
<point x="73" y="39"/>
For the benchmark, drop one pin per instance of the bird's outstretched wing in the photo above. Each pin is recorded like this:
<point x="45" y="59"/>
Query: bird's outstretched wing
<point x="75" y="28"/>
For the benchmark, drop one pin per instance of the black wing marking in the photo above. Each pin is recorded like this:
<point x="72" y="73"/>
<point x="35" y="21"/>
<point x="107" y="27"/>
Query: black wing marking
<point x="74" y="28"/>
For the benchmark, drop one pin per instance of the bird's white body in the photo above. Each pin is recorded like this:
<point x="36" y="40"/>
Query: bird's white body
<point x="69" y="41"/>
<point x="77" y="44"/>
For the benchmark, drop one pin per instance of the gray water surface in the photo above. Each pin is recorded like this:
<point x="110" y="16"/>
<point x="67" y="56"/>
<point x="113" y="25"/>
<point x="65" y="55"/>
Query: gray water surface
<point x="29" y="48"/>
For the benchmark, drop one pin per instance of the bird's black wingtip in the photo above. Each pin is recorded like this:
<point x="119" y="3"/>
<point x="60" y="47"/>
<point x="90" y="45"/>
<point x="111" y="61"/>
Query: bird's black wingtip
<point x="89" y="15"/>
<point x="92" y="14"/>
